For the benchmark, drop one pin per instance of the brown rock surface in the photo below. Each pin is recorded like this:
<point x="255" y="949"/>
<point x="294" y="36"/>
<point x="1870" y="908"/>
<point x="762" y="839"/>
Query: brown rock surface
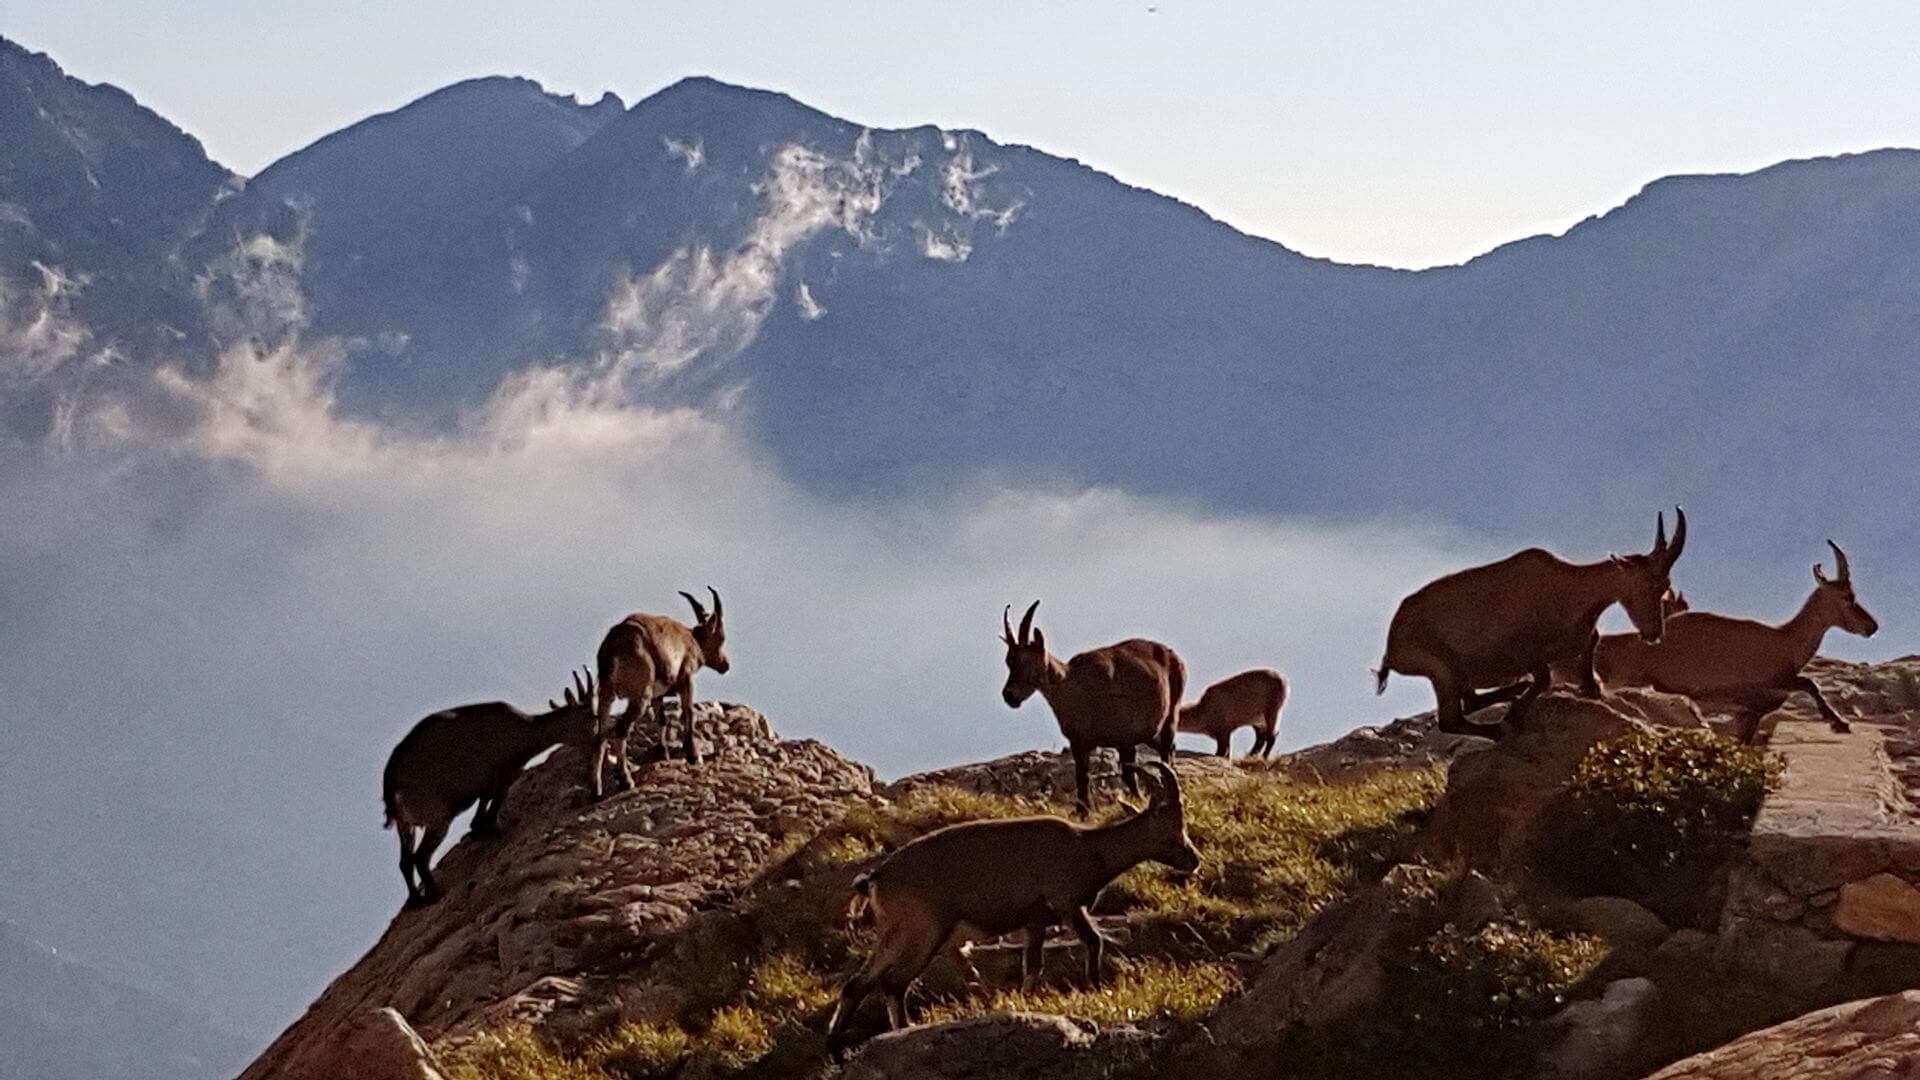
<point x="1876" y="1039"/>
<point x="1883" y="907"/>
<point x="383" y="1047"/>
<point x="532" y="916"/>
<point x="1490" y="817"/>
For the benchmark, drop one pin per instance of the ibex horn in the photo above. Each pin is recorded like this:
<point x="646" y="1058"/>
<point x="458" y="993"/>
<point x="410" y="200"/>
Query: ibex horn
<point x="699" y="612"/>
<point x="1026" y="622"/>
<point x="1840" y="562"/>
<point x="1006" y="625"/>
<point x="716" y="602"/>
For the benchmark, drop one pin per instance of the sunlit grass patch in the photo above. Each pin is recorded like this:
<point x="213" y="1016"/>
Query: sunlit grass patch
<point x="1148" y="990"/>
<point x="756" y="981"/>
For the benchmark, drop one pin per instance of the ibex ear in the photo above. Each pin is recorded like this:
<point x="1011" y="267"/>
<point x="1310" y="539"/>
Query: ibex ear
<point x="1818" y="575"/>
<point x="1039" y="638"/>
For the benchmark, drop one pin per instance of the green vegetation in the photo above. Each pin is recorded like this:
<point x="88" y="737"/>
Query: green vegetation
<point x="1456" y="1001"/>
<point x="755" y="983"/>
<point x="1653" y="814"/>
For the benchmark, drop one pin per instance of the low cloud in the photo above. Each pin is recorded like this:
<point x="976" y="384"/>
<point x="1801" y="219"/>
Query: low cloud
<point x="241" y="598"/>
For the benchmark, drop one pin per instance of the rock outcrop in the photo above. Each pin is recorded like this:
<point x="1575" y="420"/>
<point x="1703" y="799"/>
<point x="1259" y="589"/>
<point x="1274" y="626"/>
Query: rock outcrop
<point x="582" y="915"/>
<point x="532" y="918"/>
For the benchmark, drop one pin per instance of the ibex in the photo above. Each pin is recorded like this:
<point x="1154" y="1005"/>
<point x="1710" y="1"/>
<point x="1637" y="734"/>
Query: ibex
<point x="1744" y="663"/>
<point x="462" y="755"/>
<point x="987" y="878"/>
<point x="643" y="658"/>
<point x="1249" y="699"/>
<point x="1119" y="696"/>
<point x="1506" y="622"/>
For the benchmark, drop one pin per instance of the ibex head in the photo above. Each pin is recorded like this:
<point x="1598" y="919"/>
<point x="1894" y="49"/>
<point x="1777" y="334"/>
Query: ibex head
<point x="1643" y="579"/>
<point x="1836" y="599"/>
<point x="1166" y="818"/>
<point x="1027" y="666"/>
<point x="578" y="698"/>
<point x="710" y="631"/>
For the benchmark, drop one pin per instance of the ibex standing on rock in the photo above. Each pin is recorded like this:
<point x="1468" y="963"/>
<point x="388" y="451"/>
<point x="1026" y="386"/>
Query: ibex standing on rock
<point x="1751" y="665"/>
<point x="466" y="754"/>
<point x="1249" y="699"/>
<point x="987" y="878"/>
<point x="1493" y="625"/>
<point x="643" y="658"/>
<point x="1119" y="696"/>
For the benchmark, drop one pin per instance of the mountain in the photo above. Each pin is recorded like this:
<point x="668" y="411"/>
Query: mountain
<point x="890" y="309"/>
<point x="98" y="186"/>
<point x="62" y="1020"/>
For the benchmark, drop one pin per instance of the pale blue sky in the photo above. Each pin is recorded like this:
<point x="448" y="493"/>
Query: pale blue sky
<point x="1408" y="134"/>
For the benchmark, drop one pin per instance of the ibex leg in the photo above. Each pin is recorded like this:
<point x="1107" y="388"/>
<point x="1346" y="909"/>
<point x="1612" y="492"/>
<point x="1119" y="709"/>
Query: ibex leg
<point x="1089" y="935"/>
<point x="1827" y="713"/>
<point x="406" y="863"/>
<point x="430" y="838"/>
<point x="1081" y="804"/>
<point x="685" y="694"/>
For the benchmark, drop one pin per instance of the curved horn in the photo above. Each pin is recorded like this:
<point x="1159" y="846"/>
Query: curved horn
<point x="699" y="612"/>
<point x="1026" y="622"/>
<point x="1670" y="552"/>
<point x="1006" y="624"/>
<point x="585" y="690"/>
<point x="1840" y="566"/>
<point x="715" y="593"/>
<point x="1169" y="780"/>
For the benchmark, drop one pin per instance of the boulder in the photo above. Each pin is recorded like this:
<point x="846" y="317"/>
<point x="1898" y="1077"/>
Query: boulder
<point x="1875" y="1039"/>
<point x="1883" y="908"/>
<point x="1011" y="1046"/>
<point x="382" y="1046"/>
<point x="1605" y="1038"/>
<point x="1491" y="816"/>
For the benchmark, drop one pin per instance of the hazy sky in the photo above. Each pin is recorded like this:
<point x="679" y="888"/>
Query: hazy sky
<point x="1408" y="134"/>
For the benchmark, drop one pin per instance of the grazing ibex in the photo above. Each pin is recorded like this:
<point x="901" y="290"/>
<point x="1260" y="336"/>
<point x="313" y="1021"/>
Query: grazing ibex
<point x="643" y="658"/>
<point x="1497" y="625"/>
<point x="987" y="878"/>
<point x="1249" y="699"/>
<point x="462" y="755"/>
<point x="1744" y="663"/>
<point x="1119" y="696"/>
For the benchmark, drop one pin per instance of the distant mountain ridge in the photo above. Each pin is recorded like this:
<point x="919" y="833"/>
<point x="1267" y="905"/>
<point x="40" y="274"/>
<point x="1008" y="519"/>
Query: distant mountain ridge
<point x="929" y="306"/>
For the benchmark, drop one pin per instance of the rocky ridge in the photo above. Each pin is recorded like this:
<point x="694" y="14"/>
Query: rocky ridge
<point x="563" y="923"/>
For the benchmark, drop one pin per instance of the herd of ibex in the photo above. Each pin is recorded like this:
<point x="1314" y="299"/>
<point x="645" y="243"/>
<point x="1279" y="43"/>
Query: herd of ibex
<point x="1500" y="633"/>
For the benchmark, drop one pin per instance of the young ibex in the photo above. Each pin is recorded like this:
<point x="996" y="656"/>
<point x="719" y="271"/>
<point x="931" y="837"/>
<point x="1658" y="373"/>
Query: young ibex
<point x="462" y="755"/>
<point x="1744" y="663"/>
<point x="987" y="878"/>
<point x="1510" y="620"/>
<point x="643" y="659"/>
<point x="1119" y="696"/>
<point x="1249" y="699"/>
